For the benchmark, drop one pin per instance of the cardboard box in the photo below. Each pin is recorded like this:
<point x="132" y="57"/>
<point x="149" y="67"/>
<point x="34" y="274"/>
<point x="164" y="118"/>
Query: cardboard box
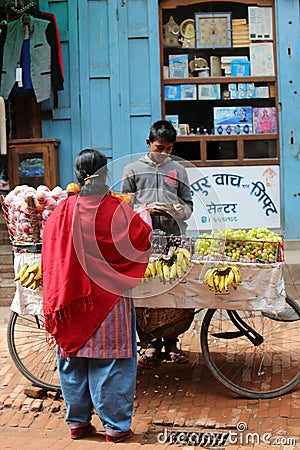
<point x="188" y="92"/>
<point x="172" y="92"/>
<point x="209" y="92"/>
<point x="233" y="120"/>
<point x="264" y="120"/>
<point x="178" y="66"/>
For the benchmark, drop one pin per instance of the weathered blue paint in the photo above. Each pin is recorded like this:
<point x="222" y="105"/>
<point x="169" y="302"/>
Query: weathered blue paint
<point x="112" y="87"/>
<point x="288" y="62"/>
<point x="112" y="78"/>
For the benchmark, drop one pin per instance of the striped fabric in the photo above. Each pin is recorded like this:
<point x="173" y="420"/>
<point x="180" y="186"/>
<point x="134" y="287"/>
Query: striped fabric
<point x="113" y="338"/>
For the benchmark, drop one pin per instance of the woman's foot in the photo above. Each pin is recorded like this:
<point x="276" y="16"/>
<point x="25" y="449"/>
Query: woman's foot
<point x="173" y="353"/>
<point x="151" y="355"/>
<point x="80" y="432"/>
<point x="118" y="437"/>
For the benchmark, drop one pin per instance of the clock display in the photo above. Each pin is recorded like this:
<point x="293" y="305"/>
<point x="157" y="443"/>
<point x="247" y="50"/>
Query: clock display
<point x="213" y="30"/>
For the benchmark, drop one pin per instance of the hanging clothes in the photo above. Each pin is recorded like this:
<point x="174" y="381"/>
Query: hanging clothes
<point x="39" y="57"/>
<point x="3" y="146"/>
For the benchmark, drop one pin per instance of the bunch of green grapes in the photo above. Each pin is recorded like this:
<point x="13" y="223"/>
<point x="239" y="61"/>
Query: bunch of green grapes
<point x="256" y="244"/>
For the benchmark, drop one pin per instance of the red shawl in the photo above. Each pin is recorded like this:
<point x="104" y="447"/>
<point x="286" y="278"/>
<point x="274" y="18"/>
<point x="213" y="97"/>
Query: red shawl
<point x="90" y="244"/>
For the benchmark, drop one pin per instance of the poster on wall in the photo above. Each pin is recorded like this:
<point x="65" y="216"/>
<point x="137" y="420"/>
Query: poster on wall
<point x="235" y="197"/>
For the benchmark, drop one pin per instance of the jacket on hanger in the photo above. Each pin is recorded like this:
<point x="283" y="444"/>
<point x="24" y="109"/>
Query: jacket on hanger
<point x="45" y="76"/>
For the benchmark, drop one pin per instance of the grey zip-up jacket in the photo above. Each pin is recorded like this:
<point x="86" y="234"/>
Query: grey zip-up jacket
<point x="167" y="182"/>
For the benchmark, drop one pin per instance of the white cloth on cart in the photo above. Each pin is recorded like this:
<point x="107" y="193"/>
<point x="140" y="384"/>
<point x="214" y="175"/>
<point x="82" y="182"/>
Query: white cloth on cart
<point x="27" y="301"/>
<point x="262" y="289"/>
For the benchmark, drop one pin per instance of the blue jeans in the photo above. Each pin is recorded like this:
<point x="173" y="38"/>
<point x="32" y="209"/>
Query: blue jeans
<point x="107" y="384"/>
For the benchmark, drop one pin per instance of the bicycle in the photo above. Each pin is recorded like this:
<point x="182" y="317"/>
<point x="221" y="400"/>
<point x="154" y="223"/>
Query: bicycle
<point x="33" y="350"/>
<point x="254" y="354"/>
<point x="251" y="354"/>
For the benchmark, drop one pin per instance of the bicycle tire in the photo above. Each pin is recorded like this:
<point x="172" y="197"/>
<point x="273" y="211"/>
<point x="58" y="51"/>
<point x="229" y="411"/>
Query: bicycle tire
<point x="33" y="350"/>
<point x="266" y="370"/>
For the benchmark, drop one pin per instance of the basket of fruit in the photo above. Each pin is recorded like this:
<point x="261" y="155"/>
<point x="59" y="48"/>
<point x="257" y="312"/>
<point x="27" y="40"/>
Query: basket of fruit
<point x="257" y="245"/>
<point x="26" y="209"/>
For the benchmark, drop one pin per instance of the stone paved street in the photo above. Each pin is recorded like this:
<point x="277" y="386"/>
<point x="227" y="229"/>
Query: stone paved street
<point x="170" y="398"/>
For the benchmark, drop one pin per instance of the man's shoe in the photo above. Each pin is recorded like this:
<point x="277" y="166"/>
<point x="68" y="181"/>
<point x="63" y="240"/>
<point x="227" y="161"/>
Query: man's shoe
<point x="79" y="433"/>
<point x="119" y="438"/>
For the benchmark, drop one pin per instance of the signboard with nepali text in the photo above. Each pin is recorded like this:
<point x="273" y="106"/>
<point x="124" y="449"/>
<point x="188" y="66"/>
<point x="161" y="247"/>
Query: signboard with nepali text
<point x="235" y="197"/>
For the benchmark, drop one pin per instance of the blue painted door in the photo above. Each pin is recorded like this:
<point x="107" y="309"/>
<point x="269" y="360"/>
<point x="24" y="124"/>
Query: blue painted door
<point x="112" y="78"/>
<point x="112" y="86"/>
<point x="288" y="66"/>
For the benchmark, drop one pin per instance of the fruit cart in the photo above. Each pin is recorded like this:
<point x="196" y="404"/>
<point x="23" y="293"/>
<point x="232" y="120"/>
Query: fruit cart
<point x="249" y="332"/>
<point x="250" y="327"/>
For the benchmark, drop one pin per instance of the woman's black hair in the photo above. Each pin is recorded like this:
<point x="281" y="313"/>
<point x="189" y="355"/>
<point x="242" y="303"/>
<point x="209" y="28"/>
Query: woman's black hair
<point x="90" y="170"/>
<point x="162" y="130"/>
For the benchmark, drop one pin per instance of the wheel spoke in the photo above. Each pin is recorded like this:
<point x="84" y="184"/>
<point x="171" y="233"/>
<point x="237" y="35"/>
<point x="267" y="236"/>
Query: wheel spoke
<point x="266" y="370"/>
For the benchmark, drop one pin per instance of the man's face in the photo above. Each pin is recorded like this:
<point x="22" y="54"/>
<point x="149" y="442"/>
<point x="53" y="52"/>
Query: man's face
<point x="159" y="150"/>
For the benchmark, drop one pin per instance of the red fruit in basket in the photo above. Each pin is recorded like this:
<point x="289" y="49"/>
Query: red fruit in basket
<point x="50" y="203"/>
<point x="28" y="196"/>
<point x="56" y="192"/>
<point x="39" y="207"/>
<point x="25" y="227"/>
<point x="42" y="196"/>
<point x="42" y="188"/>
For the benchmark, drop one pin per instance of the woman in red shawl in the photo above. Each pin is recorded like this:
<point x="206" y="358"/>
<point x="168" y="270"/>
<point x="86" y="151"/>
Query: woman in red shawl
<point x="95" y="249"/>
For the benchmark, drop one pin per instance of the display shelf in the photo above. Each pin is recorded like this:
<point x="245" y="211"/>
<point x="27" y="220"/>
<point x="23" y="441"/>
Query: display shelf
<point x="209" y="148"/>
<point x="219" y="80"/>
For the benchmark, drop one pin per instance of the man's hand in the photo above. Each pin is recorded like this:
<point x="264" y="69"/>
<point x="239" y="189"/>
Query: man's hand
<point x="169" y="210"/>
<point x="180" y="211"/>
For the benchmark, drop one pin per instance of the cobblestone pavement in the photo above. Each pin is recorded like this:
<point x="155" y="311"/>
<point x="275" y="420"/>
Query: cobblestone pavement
<point x="169" y="399"/>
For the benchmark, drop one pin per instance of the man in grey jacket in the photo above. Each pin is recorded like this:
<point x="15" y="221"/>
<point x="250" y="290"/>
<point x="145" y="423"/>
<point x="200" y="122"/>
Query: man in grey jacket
<point x="161" y="186"/>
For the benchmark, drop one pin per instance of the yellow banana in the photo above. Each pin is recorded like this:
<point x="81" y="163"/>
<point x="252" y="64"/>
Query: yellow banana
<point x="216" y="280"/>
<point x="179" y="270"/>
<point x="38" y="274"/>
<point x="166" y="272"/>
<point x="180" y="257"/>
<point x="33" y="268"/>
<point x="173" y="271"/>
<point x="183" y="265"/>
<point x="21" y="272"/>
<point x="159" y="269"/>
<point x="208" y="274"/>
<point x="210" y="282"/>
<point x="185" y="253"/>
<point x="24" y="276"/>
<point x="237" y="274"/>
<point x="28" y="281"/>
<point x="228" y="279"/>
<point x="221" y="283"/>
<point x="33" y="285"/>
<point x="152" y="269"/>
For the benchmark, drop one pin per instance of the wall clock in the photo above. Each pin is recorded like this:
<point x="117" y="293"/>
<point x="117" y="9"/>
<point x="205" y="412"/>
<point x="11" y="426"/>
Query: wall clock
<point x="187" y="30"/>
<point x="171" y="33"/>
<point x="213" y="30"/>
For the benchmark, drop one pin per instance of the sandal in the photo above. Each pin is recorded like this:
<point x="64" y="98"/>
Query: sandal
<point x="152" y="353"/>
<point x="173" y="353"/>
<point x="179" y="357"/>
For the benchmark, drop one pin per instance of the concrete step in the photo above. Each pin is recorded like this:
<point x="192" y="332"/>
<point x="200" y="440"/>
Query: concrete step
<point x="4" y="237"/>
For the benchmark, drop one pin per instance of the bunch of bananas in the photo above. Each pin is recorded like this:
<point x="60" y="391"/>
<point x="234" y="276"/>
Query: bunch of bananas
<point x="169" y="267"/>
<point x="30" y="276"/>
<point x="220" y="279"/>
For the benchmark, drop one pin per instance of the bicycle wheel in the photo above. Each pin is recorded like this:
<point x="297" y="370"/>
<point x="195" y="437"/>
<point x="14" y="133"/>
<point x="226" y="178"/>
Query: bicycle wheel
<point x="33" y="350"/>
<point x="254" y="354"/>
